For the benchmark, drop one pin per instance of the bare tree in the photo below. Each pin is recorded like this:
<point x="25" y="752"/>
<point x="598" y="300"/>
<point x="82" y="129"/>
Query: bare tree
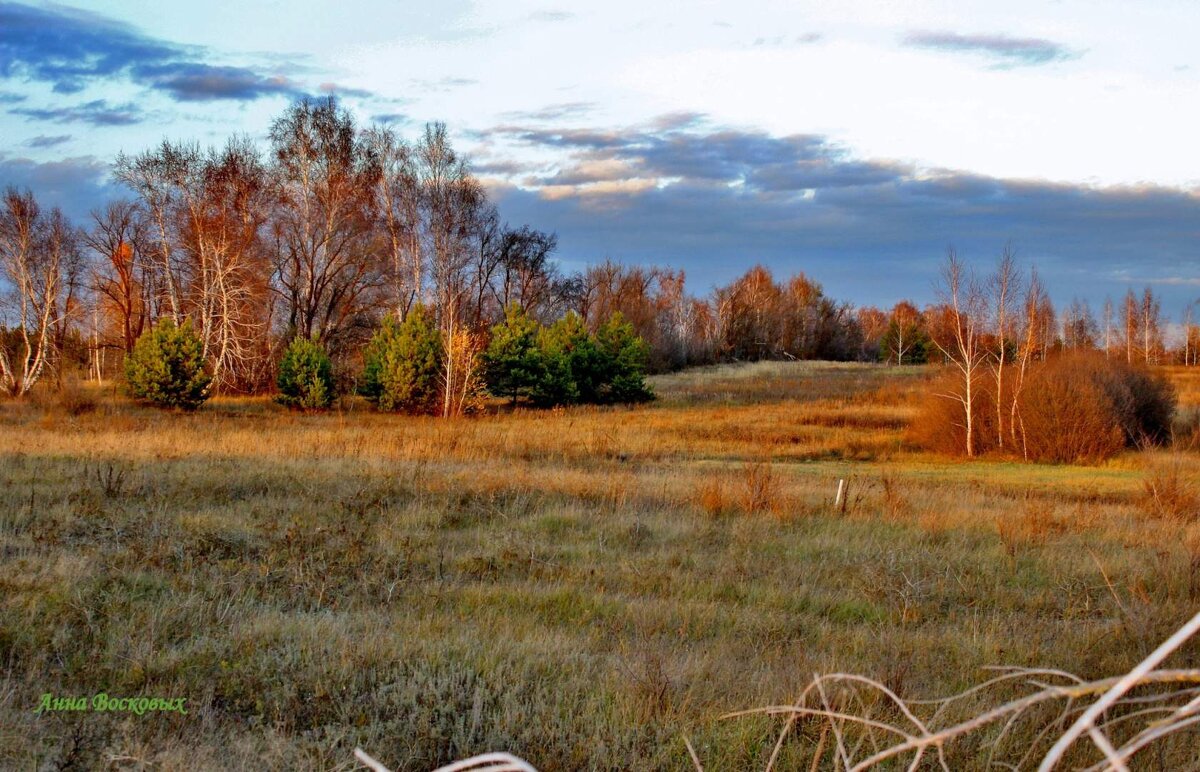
<point x="226" y="206"/>
<point x="35" y="252"/>
<point x="1191" y="335"/>
<point x="1108" y="318"/>
<point x="874" y="324"/>
<point x="903" y="330"/>
<point x="1151" y="326"/>
<point x="1038" y="321"/>
<point x="1131" y="324"/>
<point x="525" y="273"/>
<point x="961" y="293"/>
<point x="399" y="211"/>
<point x="156" y="176"/>
<point x="452" y="200"/>
<point x="327" y="268"/>
<point x="1079" y="329"/>
<point x="122" y="276"/>
<point x="1005" y="285"/>
<point x="67" y="239"/>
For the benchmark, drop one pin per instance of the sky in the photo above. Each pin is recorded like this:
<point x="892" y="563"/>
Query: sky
<point x="853" y="141"/>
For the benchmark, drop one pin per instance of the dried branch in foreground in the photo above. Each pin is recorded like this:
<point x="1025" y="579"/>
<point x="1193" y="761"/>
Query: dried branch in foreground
<point x="870" y="724"/>
<point x="488" y="762"/>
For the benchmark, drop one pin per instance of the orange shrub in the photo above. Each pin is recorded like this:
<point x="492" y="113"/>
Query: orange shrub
<point x="1074" y="408"/>
<point x="1071" y="410"/>
<point x="941" y="425"/>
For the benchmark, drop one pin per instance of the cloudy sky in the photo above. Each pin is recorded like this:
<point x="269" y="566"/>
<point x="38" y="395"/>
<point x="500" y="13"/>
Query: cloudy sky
<point x="852" y="140"/>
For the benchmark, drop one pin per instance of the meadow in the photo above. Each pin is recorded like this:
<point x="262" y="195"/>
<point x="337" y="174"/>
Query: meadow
<point x="581" y="587"/>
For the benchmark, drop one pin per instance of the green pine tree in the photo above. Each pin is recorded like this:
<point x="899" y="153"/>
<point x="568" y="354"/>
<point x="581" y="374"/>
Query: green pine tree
<point x="555" y="383"/>
<point x="166" y="367"/>
<point x="306" y="375"/>
<point x="402" y="364"/>
<point x="626" y="354"/>
<point x="573" y="357"/>
<point x="513" y="362"/>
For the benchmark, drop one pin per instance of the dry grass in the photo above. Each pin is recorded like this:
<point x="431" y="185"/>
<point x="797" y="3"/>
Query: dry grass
<point x="1187" y="385"/>
<point x="551" y="584"/>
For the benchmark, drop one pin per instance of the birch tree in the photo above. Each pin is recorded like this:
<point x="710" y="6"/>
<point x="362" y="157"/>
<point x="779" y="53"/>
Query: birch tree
<point x="399" y="215"/>
<point x="35" y="250"/>
<point x="1005" y="287"/>
<point x="960" y="292"/>
<point x="1131" y="324"/>
<point x="1151" y="326"/>
<point x="1109" y="315"/>
<point x="1037" y="322"/>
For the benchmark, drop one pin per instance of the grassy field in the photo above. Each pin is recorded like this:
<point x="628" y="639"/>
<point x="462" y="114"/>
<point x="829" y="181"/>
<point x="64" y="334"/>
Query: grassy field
<point x="582" y="588"/>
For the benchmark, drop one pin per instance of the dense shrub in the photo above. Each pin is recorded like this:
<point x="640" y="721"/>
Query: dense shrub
<point x="1073" y="408"/>
<point x="402" y="365"/>
<point x="306" y="375"/>
<point x="166" y="367"/>
<point x="1151" y="408"/>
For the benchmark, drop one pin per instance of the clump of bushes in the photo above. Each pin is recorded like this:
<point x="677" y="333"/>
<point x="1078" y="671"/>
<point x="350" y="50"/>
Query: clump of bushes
<point x="565" y="364"/>
<point x="1072" y="408"/>
<point x="306" y="375"/>
<point x="402" y="365"/>
<point x="166" y="367"/>
<point x="1084" y="407"/>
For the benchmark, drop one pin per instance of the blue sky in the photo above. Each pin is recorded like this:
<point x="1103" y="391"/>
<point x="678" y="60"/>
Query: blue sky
<point x="851" y="140"/>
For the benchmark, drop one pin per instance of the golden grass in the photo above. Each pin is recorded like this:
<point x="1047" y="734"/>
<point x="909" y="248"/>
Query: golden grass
<point x="578" y="587"/>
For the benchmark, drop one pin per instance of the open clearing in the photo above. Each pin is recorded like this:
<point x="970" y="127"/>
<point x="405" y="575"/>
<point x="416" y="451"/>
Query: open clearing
<point x="581" y="588"/>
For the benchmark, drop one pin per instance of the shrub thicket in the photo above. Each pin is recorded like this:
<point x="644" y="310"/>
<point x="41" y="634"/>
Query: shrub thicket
<point x="402" y="364"/>
<point x="306" y="375"/>
<point x="1073" y="408"/>
<point x="166" y="367"/>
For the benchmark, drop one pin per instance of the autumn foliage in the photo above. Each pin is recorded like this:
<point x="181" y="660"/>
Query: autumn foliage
<point x="1072" y="408"/>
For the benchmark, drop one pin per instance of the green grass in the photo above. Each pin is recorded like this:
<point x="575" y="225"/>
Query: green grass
<point x="312" y="584"/>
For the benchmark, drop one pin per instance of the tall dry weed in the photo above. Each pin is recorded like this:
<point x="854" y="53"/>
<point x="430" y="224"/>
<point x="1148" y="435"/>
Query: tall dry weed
<point x="1170" y="492"/>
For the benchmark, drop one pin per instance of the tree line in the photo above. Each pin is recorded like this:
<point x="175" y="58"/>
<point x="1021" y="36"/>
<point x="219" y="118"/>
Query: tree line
<point x="1133" y="329"/>
<point x="332" y="229"/>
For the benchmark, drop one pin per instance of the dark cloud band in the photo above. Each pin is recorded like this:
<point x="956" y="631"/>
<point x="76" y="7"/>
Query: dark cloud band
<point x="70" y="49"/>
<point x="715" y="200"/>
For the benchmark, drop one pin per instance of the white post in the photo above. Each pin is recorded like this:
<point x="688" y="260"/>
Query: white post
<point x="840" y="494"/>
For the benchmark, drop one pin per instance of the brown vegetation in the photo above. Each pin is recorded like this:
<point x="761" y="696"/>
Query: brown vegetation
<point x="1072" y="408"/>
<point x="548" y="583"/>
